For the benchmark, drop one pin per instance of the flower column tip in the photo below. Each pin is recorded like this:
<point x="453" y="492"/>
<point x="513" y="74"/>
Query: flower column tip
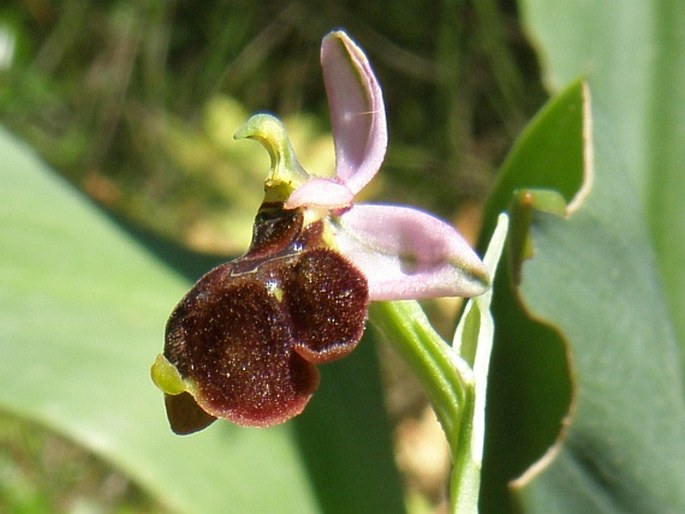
<point x="286" y="173"/>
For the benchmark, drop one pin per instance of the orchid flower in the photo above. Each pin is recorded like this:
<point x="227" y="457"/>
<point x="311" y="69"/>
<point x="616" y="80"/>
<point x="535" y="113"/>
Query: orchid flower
<point x="243" y="343"/>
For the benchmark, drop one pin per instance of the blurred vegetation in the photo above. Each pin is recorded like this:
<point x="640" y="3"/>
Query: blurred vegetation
<point x="136" y="104"/>
<point x="42" y="473"/>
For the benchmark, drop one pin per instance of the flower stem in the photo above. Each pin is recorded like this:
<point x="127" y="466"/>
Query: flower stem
<point x="444" y="377"/>
<point x="453" y="377"/>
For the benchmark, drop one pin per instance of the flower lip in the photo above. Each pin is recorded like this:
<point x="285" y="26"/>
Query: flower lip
<point x="243" y="343"/>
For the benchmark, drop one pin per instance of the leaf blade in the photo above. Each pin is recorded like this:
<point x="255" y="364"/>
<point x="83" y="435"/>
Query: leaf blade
<point x="593" y="280"/>
<point x="79" y="329"/>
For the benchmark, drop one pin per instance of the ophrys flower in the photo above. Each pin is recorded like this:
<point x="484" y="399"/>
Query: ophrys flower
<point x="244" y="341"/>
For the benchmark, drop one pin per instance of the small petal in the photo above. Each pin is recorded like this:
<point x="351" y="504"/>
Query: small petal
<point x="408" y="254"/>
<point x="321" y="192"/>
<point x="357" y="111"/>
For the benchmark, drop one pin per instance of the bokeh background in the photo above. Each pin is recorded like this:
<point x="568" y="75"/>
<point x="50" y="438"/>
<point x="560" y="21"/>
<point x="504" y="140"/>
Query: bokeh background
<point x="136" y="102"/>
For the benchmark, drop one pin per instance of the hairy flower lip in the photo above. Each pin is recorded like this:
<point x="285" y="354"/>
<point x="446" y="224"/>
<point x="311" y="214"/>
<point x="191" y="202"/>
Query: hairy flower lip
<point x="244" y="342"/>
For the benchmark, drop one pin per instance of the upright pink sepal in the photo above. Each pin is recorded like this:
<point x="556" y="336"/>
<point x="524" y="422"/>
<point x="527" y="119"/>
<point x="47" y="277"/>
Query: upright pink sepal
<point x="357" y="111"/>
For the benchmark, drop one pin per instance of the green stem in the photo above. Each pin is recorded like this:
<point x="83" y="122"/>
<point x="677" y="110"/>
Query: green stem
<point x="454" y="378"/>
<point x="444" y="376"/>
<point x="465" y="476"/>
<point x="473" y="340"/>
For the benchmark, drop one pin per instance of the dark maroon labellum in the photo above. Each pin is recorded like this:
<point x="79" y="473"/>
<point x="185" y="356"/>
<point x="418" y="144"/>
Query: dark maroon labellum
<point x="247" y="335"/>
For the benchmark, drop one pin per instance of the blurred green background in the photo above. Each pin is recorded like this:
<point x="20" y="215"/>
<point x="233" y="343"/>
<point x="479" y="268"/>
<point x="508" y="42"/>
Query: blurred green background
<point x="135" y="103"/>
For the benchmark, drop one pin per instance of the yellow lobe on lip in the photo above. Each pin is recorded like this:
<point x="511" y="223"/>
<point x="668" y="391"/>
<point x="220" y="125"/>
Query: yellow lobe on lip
<point x="166" y="377"/>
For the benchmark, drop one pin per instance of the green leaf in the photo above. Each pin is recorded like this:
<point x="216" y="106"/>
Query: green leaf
<point x="633" y="56"/>
<point x="344" y="438"/>
<point x="472" y="341"/>
<point x="593" y="287"/>
<point x="82" y="312"/>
